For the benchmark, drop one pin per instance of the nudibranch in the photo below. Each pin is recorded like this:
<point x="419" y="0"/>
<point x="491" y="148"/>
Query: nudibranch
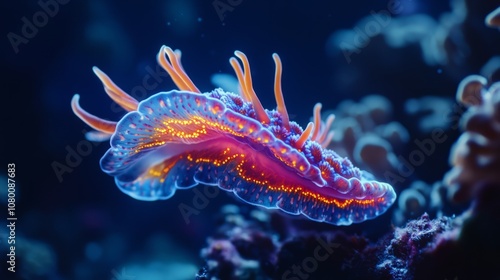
<point x="181" y="138"/>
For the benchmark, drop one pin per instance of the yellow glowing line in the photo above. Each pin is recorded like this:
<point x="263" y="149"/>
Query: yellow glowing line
<point x="169" y="130"/>
<point x="291" y="189"/>
<point x="160" y="170"/>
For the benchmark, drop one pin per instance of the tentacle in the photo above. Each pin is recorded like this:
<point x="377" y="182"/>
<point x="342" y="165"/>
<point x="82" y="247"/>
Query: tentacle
<point x="175" y="58"/>
<point x="304" y="136"/>
<point x="278" y="93"/>
<point x="175" y="69"/>
<point x="239" y="74"/>
<point x="317" y="120"/>
<point x="162" y="60"/>
<point x="93" y="121"/>
<point x="119" y="96"/>
<point x="259" y="110"/>
<point x="327" y="140"/>
<point x="325" y="127"/>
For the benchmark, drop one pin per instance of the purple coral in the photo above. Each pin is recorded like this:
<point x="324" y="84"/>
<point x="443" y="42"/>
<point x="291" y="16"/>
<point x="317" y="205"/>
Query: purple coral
<point x="412" y="202"/>
<point x="425" y="248"/>
<point x="248" y="246"/>
<point x="404" y="248"/>
<point x="241" y="248"/>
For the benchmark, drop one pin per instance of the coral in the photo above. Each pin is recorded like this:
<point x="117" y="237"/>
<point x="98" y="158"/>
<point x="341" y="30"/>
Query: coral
<point x="451" y="44"/>
<point x="363" y="132"/>
<point x="470" y="251"/>
<point x="241" y="247"/>
<point x="475" y="178"/>
<point x="493" y="18"/>
<point x="490" y="69"/>
<point x="247" y="246"/>
<point x="412" y="202"/>
<point x="405" y="247"/>
<point x="459" y="42"/>
<point x="476" y="155"/>
<point x="432" y="111"/>
<point x="439" y="204"/>
<point x="421" y="197"/>
<point x="202" y="274"/>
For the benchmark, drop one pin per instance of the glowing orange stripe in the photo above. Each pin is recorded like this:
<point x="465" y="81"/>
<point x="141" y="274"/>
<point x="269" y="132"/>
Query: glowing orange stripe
<point x="169" y="130"/>
<point x="224" y="159"/>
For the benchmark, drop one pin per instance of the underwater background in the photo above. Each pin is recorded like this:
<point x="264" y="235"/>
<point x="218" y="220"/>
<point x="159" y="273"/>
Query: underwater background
<point x="389" y="71"/>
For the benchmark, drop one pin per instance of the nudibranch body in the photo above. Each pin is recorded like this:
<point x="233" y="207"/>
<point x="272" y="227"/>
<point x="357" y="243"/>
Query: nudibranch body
<point x="178" y="139"/>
